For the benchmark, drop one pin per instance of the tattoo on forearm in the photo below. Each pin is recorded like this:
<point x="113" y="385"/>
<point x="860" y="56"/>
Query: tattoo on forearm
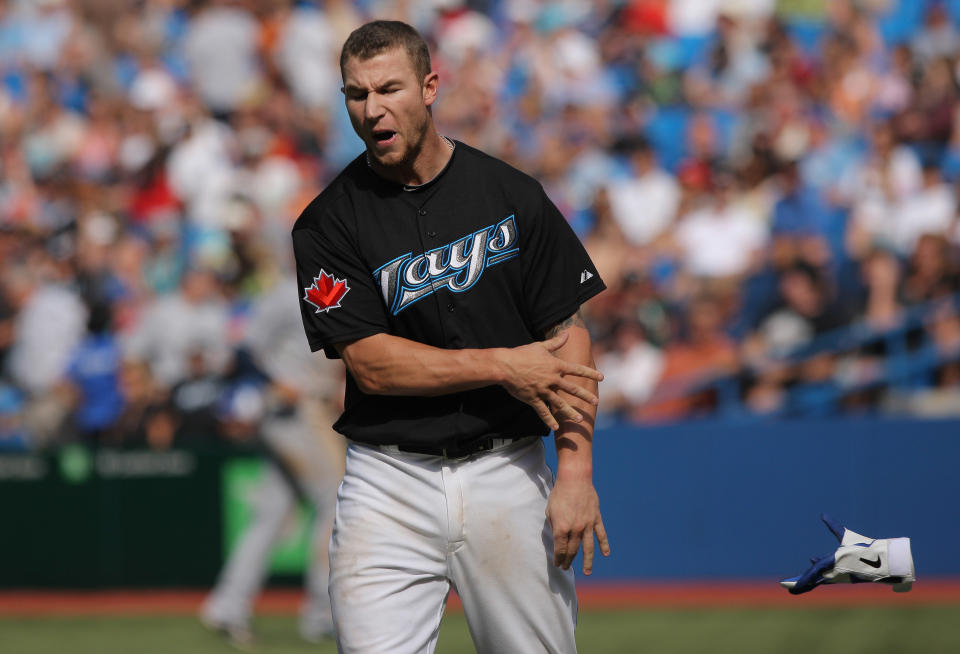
<point x="575" y="319"/>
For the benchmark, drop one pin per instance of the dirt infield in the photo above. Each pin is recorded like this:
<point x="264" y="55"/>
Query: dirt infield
<point x="592" y="596"/>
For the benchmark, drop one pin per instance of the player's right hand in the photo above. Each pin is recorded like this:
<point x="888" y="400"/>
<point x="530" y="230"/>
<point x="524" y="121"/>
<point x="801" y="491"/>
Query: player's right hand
<point x="534" y="375"/>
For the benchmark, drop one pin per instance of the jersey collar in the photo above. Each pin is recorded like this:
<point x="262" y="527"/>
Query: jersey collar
<point x="417" y="187"/>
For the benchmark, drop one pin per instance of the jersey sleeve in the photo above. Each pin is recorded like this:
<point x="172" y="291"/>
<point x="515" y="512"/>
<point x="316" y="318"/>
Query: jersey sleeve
<point x="339" y="300"/>
<point x="558" y="273"/>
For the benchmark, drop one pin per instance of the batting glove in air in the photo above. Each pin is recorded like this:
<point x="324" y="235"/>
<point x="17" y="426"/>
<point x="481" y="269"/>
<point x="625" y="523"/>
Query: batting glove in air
<point x="858" y="560"/>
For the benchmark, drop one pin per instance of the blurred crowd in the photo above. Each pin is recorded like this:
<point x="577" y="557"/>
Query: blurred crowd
<point x="753" y="178"/>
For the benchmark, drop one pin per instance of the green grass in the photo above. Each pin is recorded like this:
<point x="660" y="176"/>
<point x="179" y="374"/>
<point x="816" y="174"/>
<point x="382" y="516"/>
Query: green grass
<point x="922" y="630"/>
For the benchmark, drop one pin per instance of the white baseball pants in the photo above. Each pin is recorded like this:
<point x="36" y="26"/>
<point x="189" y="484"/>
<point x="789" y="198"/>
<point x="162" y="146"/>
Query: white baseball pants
<point x="241" y="580"/>
<point x="410" y="526"/>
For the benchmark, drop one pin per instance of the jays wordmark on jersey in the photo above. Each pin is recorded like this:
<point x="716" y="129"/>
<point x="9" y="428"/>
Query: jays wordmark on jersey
<point x="478" y="257"/>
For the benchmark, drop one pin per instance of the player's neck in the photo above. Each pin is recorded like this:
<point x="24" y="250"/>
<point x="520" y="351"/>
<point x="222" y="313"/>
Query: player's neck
<point x="428" y="162"/>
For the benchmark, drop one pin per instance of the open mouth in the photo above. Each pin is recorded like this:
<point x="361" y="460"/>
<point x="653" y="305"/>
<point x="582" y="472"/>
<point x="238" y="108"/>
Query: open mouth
<point x="384" y="136"/>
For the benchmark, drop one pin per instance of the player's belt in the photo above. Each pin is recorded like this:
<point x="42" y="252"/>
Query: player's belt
<point x="454" y="451"/>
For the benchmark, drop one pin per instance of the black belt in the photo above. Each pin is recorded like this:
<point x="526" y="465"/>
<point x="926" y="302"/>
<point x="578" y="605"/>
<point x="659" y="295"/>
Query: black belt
<point x="454" y="450"/>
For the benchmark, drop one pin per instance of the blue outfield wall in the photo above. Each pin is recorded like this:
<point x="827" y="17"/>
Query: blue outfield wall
<point x="720" y="500"/>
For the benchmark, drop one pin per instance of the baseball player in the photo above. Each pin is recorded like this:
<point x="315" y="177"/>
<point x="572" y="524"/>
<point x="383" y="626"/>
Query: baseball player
<point x="305" y="463"/>
<point x="450" y="286"/>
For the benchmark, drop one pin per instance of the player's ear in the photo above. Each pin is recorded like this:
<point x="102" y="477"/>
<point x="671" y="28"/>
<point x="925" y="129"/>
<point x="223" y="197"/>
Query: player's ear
<point x="431" y="83"/>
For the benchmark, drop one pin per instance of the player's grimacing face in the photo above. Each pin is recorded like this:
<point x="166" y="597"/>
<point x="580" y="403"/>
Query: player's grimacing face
<point x="387" y="104"/>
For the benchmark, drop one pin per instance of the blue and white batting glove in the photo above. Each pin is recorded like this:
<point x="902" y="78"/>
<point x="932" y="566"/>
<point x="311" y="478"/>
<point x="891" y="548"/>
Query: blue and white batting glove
<point x="858" y="560"/>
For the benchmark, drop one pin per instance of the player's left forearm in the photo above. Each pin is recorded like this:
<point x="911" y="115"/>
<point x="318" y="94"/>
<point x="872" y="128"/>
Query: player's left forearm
<point x="574" y="440"/>
<point x="573" y="509"/>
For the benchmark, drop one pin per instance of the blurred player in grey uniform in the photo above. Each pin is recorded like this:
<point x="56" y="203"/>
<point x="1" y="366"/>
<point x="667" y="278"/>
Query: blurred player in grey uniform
<point x="306" y="462"/>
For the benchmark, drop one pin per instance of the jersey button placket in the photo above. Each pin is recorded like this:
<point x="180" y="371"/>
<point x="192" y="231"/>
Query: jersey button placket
<point x="430" y="243"/>
<point x="430" y="233"/>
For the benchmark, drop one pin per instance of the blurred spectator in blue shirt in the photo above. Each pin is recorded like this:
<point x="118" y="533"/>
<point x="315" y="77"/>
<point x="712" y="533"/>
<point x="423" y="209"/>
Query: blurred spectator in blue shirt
<point x="13" y="435"/>
<point x="93" y="373"/>
<point x="799" y="228"/>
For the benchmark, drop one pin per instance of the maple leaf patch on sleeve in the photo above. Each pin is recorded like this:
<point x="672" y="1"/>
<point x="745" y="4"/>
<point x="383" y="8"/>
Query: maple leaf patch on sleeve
<point x="326" y="292"/>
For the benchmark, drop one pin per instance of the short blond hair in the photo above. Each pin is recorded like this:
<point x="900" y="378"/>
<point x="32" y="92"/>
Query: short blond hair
<point x="371" y="39"/>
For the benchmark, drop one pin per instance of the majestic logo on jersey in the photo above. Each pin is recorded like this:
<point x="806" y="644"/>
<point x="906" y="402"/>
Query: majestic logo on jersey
<point x="326" y="292"/>
<point x="457" y="265"/>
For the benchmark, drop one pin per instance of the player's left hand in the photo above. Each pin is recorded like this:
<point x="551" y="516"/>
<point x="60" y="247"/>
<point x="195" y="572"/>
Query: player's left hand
<point x="573" y="511"/>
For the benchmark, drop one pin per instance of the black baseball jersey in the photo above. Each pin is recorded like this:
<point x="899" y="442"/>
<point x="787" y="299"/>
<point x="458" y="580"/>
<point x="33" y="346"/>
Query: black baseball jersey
<point x="478" y="257"/>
